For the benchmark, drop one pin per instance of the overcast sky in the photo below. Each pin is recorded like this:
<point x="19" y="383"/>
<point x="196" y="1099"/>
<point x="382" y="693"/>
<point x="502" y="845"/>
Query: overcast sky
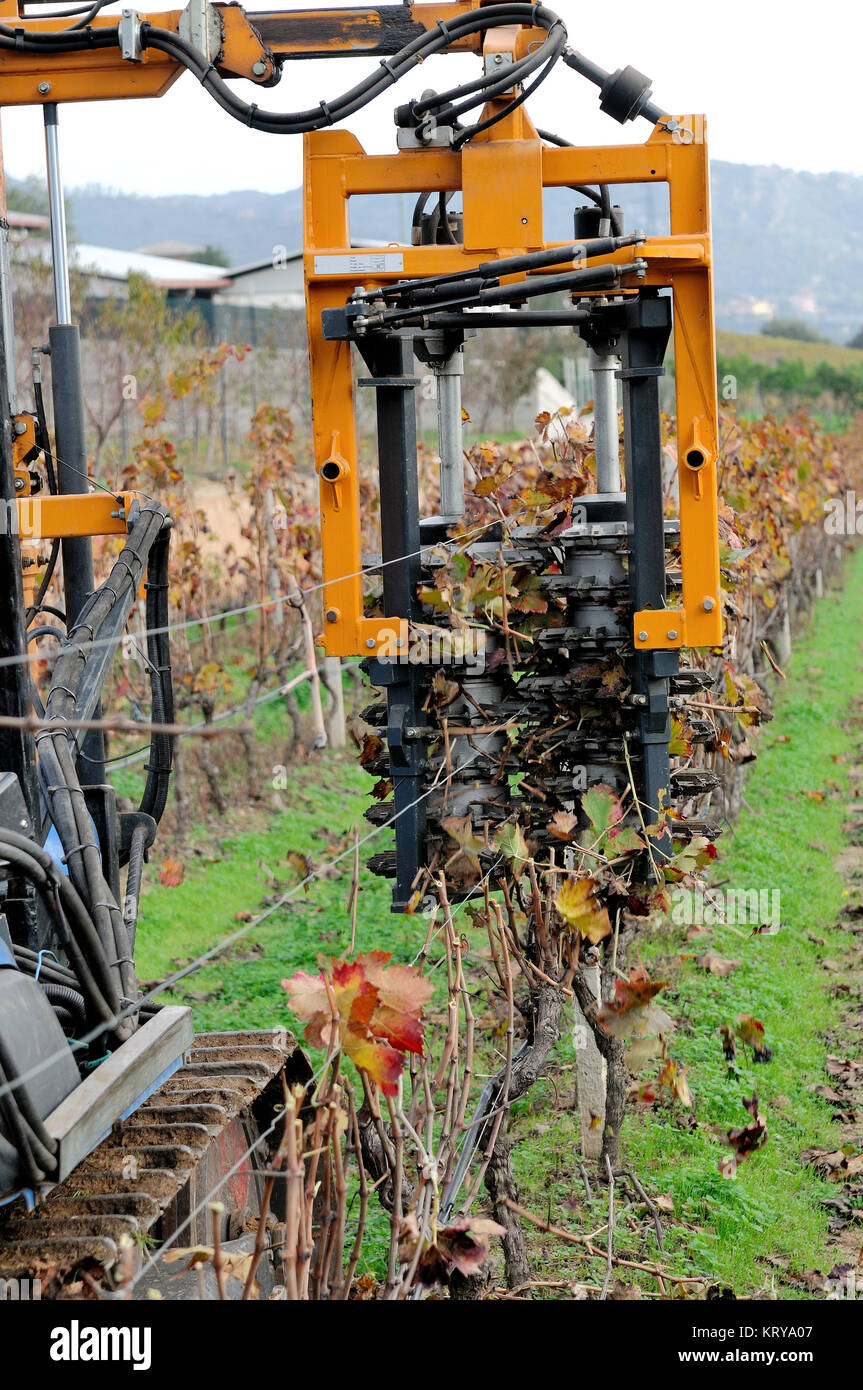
<point x="778" y="79"/>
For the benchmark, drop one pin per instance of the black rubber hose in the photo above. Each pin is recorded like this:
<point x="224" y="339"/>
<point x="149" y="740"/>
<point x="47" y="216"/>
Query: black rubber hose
<point x="78" y="934"/>
<point x="507" y="110"/>
<point x="71" y="999"/>
<point x="76" y="683"/>
<point x="44" y="1147"/>
<point x="160" y="762"/>
<point x="28" y="963"/>
<point x="16" y="1132"/>
<point x="387" y="73"/>
<point x="43" y="439"/>
<point x="602" y="198"/>
<point x="134" y="878"/>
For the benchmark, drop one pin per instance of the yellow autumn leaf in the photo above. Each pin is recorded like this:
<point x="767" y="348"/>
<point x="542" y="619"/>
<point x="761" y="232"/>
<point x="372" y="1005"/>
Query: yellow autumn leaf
<point x="576" y="902"/>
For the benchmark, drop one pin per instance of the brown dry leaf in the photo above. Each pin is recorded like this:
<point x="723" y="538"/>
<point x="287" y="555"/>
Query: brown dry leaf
<point x="673" y="1076"/>
<point x="717" y="965"/>
<point x="744" y="1140"/>
<point x="692" y="933"/>
<point x="631" y="1012"/>
<point x="827" y="1093"/>
<point x="562" y="825"/>
<point x="835" y="1164"/>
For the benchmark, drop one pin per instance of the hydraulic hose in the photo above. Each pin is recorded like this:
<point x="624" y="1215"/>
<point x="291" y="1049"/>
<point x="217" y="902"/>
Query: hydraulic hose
<point x="75" y="687"/>
<point x="77" y="933"/>
<point x="389" y="71"/>
<point x="70" y="999"/>
<point x="160" y="762"/>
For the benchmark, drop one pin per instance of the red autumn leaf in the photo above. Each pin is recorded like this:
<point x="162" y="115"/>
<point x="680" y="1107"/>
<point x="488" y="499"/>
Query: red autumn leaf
<point x="744" y="1140"/>
<point x="372" y="1010"/>
<point x="462" y="1245"/>
<point x="630" y="1012"/>
<point x="172" y="873"/>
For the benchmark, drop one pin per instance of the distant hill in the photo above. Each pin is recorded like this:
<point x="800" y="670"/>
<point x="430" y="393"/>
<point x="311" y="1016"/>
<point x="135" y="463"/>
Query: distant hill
<point x="787" y="244"/>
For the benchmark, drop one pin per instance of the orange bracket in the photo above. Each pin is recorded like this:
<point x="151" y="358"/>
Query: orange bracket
<point x="501" y="179"/>
<point x="57" y="517"/>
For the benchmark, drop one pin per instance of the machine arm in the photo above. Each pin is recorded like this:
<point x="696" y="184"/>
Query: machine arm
<point x="143" y="54"/>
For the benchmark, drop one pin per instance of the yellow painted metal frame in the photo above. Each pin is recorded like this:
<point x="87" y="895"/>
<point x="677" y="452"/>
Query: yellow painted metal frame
<point x="59" y="517"/>
<point x="28" y="79"/>
<point x="501" y="178"/>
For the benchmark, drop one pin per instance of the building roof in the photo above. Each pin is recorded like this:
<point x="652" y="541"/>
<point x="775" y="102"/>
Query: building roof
<point x="28" y="221"/>
<point x="164" y="271"/>
<point x="174" y="250"/>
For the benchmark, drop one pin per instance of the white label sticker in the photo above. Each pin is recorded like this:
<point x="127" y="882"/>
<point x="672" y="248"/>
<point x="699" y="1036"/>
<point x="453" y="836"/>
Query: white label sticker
<point x="359" y="263"/>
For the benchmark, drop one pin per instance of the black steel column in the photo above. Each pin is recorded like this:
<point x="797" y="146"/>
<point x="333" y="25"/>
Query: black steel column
<point x="390" y="361"/>
<point x="642" y="349"/>
<point x="70" y="449"/>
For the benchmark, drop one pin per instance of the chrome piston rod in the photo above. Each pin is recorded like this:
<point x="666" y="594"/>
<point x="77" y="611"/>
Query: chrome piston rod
<point x="450" y="435"/>
<point x="605" y="427"/>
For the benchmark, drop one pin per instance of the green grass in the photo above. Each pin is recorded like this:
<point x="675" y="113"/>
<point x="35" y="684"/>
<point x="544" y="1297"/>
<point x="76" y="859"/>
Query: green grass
<point x="724" y="1230"/>
<point x="245" y="872"/>
<point x="789" y="842"/>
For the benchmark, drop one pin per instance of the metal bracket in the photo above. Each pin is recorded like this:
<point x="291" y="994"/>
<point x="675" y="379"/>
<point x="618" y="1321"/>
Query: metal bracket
<point x="493" y="62"/>
<point x="201" y="26"/>
<point x="426" y="136"/>
<point x="129" y="35"/>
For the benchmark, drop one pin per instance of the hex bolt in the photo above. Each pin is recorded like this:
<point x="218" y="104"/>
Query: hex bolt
<point x="20" y="485"/>
<point x="708" y="605"/>
<point x="259" y="68"/>
<point x="44" y="88"/>
<point x="370" y="642"/>
<point x="332" y="615"/>
<point x="20" y="427"/>
<point x="642" y="636"/>
<point x="672" y="634"/>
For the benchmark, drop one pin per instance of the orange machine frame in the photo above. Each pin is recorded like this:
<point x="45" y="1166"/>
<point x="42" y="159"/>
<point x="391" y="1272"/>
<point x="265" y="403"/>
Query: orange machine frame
<point x="501" y="178"/>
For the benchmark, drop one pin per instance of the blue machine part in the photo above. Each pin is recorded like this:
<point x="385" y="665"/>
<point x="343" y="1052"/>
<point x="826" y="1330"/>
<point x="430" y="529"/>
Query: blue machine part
<point x="54" y="847"/>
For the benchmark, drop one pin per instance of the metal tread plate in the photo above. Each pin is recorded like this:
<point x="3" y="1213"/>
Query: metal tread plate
<point x="141" y="1180"/>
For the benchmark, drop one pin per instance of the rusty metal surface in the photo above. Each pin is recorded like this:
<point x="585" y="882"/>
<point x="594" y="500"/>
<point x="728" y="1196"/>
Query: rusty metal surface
<point x="150" y="1173"/>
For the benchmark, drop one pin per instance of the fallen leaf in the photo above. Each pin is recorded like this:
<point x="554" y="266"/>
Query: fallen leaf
<point x="744" y="1140"/>
<point x="172" y="873"/>
<point x="717" y="965"/>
